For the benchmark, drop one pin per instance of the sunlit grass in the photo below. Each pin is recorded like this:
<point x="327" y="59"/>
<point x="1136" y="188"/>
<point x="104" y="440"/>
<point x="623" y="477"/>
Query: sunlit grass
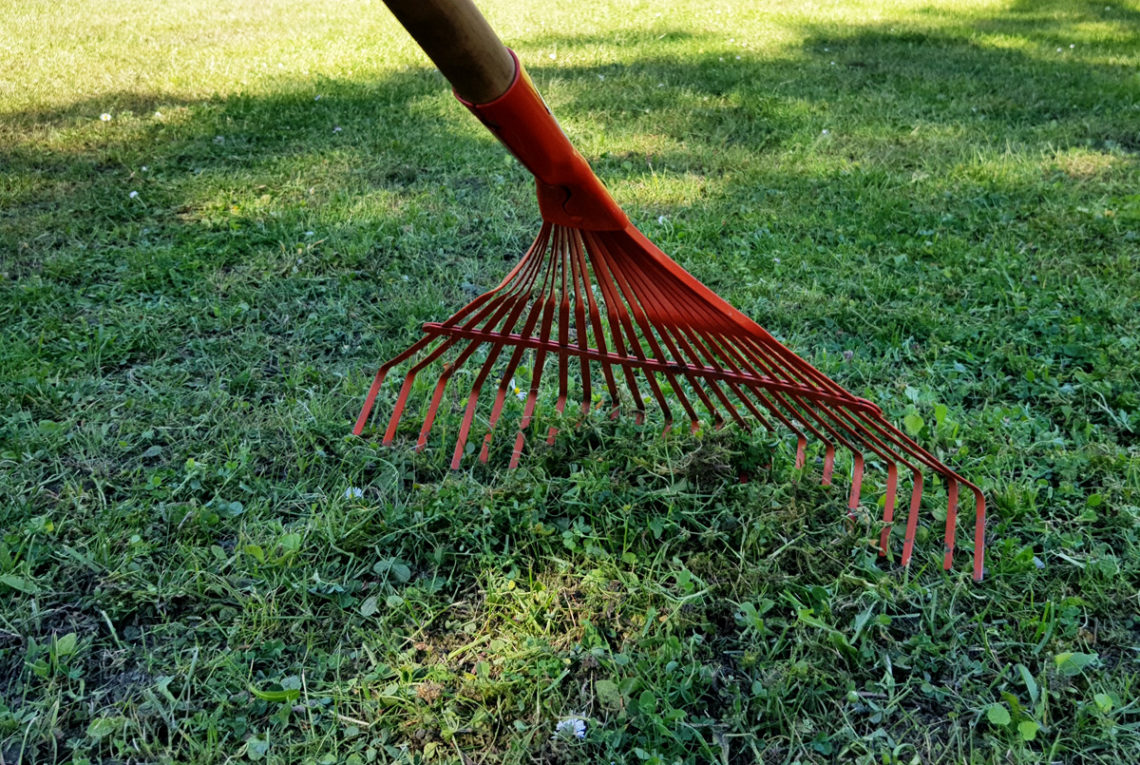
<point x="935" y="203"/>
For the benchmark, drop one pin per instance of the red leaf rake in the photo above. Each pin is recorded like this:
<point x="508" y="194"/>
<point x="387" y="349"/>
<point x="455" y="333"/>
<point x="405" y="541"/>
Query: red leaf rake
<point x="594" y="293"/>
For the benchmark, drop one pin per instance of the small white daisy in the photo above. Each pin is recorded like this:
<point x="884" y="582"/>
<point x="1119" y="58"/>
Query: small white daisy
<point x="105" y="117"/>
<point x="353" y="492"/>
<point x="133" y="195"/>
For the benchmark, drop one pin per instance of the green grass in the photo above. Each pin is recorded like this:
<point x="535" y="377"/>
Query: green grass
<point x="183" y="578"/>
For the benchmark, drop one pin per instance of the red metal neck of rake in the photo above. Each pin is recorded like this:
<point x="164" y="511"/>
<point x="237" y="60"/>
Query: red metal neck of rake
<point x="569" y="194"/>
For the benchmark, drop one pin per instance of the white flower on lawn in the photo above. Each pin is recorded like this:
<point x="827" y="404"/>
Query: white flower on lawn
<point x="520" y="394"/>
<point x="571" y="726"/>
<point x="105" y="117"/>
<point x="353" y="492"/>
<point x="133" y="195"/>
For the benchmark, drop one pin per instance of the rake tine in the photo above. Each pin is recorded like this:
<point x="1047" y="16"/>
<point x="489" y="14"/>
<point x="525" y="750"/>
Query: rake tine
<point x="889" y="506"/>
<point x="596" y="322"/>
<point x="801" y="440"/>
<point x="641" y="316"/>
<point x="928" y="459"/>
<point x="828" y="464"/>
<point x="370" y="399"/>
<point x="619" y="325"/>
<point x="653" y="300"/>
<point x="658" y="296"/>
<point x="548" y="303"/>
<point x="912" y="518"/>
<point x="698" y="306"/>
<point x="398" y="409"/>
<point x="979" y="532"/>
<point x="842" y="418"/>
<point x="480" y="379"/>
<point x="512" y="364"/>
<point x="664" y="294"/>
<point x="493" y="301"/>
<point x="856" y="486"/>
<point x="519" y="303"/>
<point x="951" y="522"/>
<point x="580" y="328"/>
<point x="563" y="341"/>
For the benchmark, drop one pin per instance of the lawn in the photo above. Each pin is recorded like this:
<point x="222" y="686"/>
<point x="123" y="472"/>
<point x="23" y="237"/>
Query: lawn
<point x="218" y="217"/>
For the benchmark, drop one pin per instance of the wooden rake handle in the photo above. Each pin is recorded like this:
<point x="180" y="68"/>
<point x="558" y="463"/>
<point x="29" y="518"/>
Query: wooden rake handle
<point x="461" y="43"/>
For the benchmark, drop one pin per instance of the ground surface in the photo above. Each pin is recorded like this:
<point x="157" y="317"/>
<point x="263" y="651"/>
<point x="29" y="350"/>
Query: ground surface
<point x="938" y="203"/>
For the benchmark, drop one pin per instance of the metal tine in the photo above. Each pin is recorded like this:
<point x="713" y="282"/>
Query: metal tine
<point x="378" y="380"/>
<point x="878" y="448"/>
<point x="931" y="461"/>
<point x="796" y="368"/>
<point x="842" y="417"/>
<point x="492" y="299"/>
<point x="511" y="304"/>
<point x="697" y="305"/>
<point x="828" y="463"/>
<point x="548" y="300"/>
<point x="646" y="302"/>
<point x="720" y="314"/>
<point x="750" y="358"/>
<point x="694" y="304"/>
<point x="512" y="363"/>
<point x="563" y="340"/>
<point x="519" y="303"/>
<point x="655" y="300"/>
<point x="650" y="294"/>
<point x="951" y="522"/>
<point x="909" y="447"/>
<point x="508" y="304"/>
<point x="857" y="475"/>
<point x="581" y="329"/>
<point x="578" y="247"/>
<point x="619" y="325"/>
<point x="649" y="288"/>
<point x="612" y="263"/>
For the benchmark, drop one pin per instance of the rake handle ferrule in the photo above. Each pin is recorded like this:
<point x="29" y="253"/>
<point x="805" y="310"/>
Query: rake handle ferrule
<point x="569" y="194"/>
<point x="489" y="80"/>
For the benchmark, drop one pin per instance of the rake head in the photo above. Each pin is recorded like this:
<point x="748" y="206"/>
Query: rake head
<point x="593" y="300"/>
